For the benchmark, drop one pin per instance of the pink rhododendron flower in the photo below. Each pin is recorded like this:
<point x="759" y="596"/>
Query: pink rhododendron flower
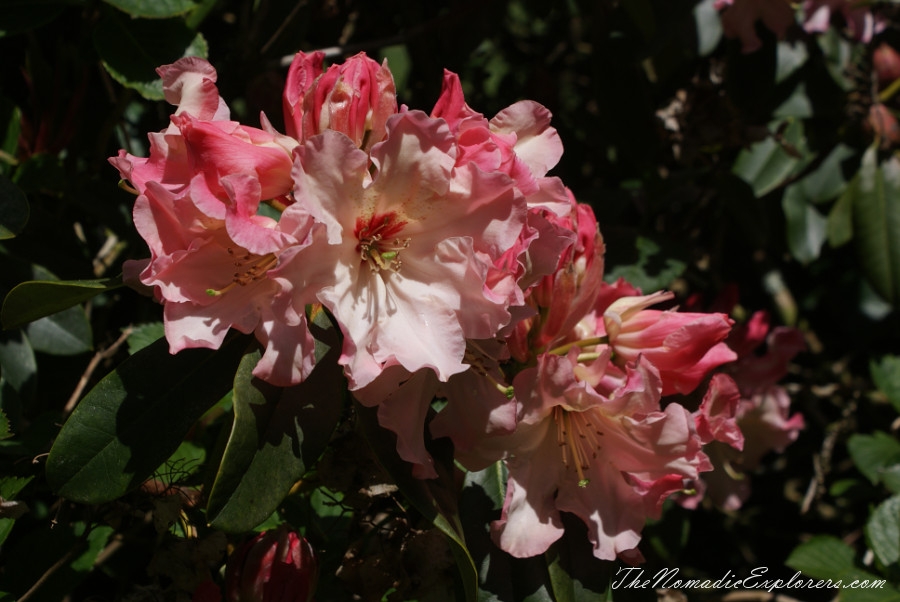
<point x="201" y="140"/>
<point x="479" y="405"/>
<point x="355" y="98"/>
<point x="683" y="346"/>
<point x="518" y="141"/>
<point x="212" y="275"/>
<point x="716" y="418"/>
<point x="739" y="19"/>
<point x="602" y="449"/>
<point x="403" y="258"/>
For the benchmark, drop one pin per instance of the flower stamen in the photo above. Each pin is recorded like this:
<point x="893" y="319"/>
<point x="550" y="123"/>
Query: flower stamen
<point x="375" y="246"/>
<point x="250" y="268"/>
<point x="578" y="438"/>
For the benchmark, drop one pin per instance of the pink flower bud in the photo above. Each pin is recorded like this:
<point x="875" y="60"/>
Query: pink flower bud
<point x="883" y="124"/>
<point x="887" y="64"/>
<point x="274" y="566"/>
<point x="354" y="98"/>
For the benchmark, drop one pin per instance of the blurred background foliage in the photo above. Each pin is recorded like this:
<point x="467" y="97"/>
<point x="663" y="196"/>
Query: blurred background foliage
<point x="710" y="169"/>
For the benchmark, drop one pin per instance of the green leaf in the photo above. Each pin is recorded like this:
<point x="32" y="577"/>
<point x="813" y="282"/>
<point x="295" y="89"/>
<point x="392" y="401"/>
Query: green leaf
<point x="646" y="273"/>
<point x="17" y="362"/>
<point x="708" y="24"/>
<point x="886" y="376"/>
<point x="827" y="181"/>
<point x="873" y="454"/>
<point x="13" y="209"/>
<point x="136" y="417"/>
<point x="35" y="299"/>
<point x="768" y="163"/>
<point x="143" y="335"/>
<point x="806" y="227"/>
<point x="789" y="58"/>
<point x="435" y="499"/>
<point x="890" y="478"/>
<point x="837" y="52"/>
<point x="9" y="489"/>
<point x="798" y="105"/>
<point x="277" y="434"/>
<point x="132" y="50"/>
<point x="876" y="223"/>
<point x="823" y="557"/>
<point x="840" y="220"/>
<point x="153" y="9"/>
<point x="883" y="531"/>
<point x="64" y="333"/>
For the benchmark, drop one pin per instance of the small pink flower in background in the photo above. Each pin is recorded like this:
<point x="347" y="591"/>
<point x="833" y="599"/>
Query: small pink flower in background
<point x="861" y="24"/>
<point x="762" y="413"/>
<point x="275" y="566"/>
<point x="739" y="19"/>
<point x="355" y="98"/>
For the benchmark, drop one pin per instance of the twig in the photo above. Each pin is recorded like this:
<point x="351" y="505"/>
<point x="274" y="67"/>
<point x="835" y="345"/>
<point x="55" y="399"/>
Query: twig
<point x="92" y="365"/>
<point x="76" y="547"/>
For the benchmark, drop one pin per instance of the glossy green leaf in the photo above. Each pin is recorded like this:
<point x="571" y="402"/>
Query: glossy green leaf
<point x="822" y="557"/>
<point x="708" y="24"/>
<point x="883" y="531"/>
<point x="837" y="51"/>
<point x="873" y="454"/>
<point x="136" y="417"/>
<point x="435" y="499"/>
<point x="13" y="209"/>
<point x="768" y="163"/>
<point x="653" y="270"/>
<point x="277" y="435"/>
<point x="840" y="220"/>
<point x="806" y="227"/>
<point x="827" y="557"/>
<point x="17" y="362"/>
<point x="876" y="223"/>
<point x="153" y="9"/>
<point x="35" y="299"/>
<point x="886" y="376"/>
<point x="143" y="335"/>
<point x="789" y="56"/>
<point x="132" y="50"/>
<point x="827" y="181"/>
<point x="797" y="106"/>
<point x="67" y="332"/>
<point x="9" y="490"/>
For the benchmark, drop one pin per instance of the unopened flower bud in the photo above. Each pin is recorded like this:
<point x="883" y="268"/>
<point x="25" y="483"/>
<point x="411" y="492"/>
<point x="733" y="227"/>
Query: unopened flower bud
<point x="275" y="566"/>
<point x="887" y="64"/>
<point x="355" y="98"/>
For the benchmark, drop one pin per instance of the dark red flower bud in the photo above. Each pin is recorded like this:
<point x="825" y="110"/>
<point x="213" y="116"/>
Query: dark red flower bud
<point x="275" y="566"/>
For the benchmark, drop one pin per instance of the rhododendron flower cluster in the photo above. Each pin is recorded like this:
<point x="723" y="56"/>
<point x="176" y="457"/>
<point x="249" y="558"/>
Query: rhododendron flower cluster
<point x="455" y="268"/>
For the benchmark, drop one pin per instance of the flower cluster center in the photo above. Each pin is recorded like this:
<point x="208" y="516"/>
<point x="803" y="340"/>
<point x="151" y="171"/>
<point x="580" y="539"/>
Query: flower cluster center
<point x="379" y="245"/>
<point x="579" y="440"/>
